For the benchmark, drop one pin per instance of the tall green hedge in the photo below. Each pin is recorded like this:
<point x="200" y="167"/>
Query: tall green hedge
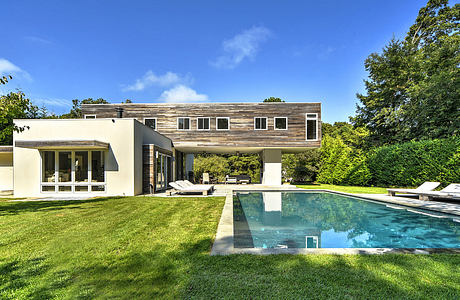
<point x="412" y="163"/>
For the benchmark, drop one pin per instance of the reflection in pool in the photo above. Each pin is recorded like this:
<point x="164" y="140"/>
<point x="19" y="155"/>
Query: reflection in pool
<point x="328" y="220"/>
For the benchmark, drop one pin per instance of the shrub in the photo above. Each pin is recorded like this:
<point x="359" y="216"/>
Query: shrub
<point x="412" y="163"/>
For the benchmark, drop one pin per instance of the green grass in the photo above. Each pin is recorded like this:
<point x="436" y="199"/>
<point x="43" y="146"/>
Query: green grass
<point x="145" y="247"/>
<point x="346" y="189"/>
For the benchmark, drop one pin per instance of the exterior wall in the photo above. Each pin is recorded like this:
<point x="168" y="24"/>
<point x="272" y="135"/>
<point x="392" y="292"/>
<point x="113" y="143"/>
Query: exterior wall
<point x="144" y="135"/>
<point x="6" y="171"/>
<point x="241" y="133"/>
<point x="119" y="158"/>
<point x="271" y="159"/>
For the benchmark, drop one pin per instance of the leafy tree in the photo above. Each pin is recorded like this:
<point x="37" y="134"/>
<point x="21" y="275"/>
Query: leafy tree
<point x="215" y="165"/>
<point x="413" y="89"/>
<point x="301" y="167"/>
<point x="4" y="79"/>
<point x="16" y="106"/>
<point x="273" y="99"/>
<point x="75" y="112"/>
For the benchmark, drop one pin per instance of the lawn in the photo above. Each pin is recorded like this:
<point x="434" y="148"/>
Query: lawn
<point x="346" y="188"/>
<point x="147" y="247"/>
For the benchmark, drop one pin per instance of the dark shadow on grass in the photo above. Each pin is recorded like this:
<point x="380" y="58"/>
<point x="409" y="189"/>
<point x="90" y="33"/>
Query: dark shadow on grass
<point x="14" y="208"/>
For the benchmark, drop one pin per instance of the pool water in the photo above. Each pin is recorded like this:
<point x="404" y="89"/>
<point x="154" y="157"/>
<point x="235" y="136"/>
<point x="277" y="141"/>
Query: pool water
<point x="328" y="220"/>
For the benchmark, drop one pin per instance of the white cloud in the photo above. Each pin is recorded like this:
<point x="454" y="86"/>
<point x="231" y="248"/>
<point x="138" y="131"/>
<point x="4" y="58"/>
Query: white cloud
<point x="36" y="39"/>
<point x="241" y="46"/>
<point x="56" y="102"/>
<point x="151" y="79"/>
<point x="8" y="68"/>
<point x="181" y="93"/>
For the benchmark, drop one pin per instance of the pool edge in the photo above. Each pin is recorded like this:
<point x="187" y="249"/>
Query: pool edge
<point x="223" y="243"/>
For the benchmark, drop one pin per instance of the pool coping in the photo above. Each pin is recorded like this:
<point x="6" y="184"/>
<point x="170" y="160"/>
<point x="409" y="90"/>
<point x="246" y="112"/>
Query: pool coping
<point x="223" y="243"/>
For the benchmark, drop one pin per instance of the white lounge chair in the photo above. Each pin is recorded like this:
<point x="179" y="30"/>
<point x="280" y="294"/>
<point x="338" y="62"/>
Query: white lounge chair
<point x="425" y="187"/>
<point x="186" y="183"/>
<point x="452" y="191"/>
<point x="196" y="189"/>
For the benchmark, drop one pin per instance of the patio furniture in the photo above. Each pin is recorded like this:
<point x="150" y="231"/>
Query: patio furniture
<point x="425" y="187"/>
<point x="231" y="179"/>
<point x="452" y="191"/>
<point x="206" y="178"/>
<point x="243" y="179"/>
<point x="195" y="189"/>
<point x="186" y="183"/>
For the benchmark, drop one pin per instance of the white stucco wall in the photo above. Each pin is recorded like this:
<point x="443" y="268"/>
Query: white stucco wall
<point x="119" y="158"/>
<point x="145" y="135"/>
<point x="6" y="171"/>
<point x="271" y="159"/>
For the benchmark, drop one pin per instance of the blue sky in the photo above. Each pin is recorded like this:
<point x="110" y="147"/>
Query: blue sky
<point x="197" y="51"/>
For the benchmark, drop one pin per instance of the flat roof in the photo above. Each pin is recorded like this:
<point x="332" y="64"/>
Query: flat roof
<point x="63" y="144"/>
<point x="6" y="149"/>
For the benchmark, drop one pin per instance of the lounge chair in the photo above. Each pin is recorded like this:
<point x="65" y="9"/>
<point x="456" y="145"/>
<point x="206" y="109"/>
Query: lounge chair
<point x="195" y="189"/>
<point x="452" y="191"/>
<point x="425" y="187"/>
<point x="186" y="183"/>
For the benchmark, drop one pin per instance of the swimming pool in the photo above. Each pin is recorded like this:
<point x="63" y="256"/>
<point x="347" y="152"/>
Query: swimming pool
<point x="329" y="220"/>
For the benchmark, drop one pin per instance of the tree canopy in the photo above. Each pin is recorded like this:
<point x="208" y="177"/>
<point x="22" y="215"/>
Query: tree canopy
<point x="273" y="99"/>
<point x="75" y="112"/>
<point x="16" y="106"/>
<point x="413" y="89"/>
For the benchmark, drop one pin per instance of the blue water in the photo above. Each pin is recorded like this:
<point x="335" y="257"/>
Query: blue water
<point x="328" y="220"/>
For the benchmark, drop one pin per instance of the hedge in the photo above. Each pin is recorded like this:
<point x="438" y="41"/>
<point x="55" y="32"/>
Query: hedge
<point x="412" y="163"/>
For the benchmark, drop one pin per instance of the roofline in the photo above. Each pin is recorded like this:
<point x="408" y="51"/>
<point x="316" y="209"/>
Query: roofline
<point x="200" y="103"/>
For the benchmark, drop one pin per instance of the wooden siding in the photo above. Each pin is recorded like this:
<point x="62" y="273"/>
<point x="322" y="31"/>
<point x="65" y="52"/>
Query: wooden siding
<point x="241" y="133"/>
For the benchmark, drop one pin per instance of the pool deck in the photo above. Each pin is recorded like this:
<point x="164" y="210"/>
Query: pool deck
<point x="223" y="244"/>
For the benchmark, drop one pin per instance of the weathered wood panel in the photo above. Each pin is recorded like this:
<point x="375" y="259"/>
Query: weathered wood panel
<point x="241" y="133"/>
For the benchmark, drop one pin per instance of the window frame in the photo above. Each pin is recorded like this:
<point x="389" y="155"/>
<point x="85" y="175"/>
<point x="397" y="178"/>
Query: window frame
<point x="156" y="123"/>
<point x="92" y="117"/>
<point x="189" y="123"/>
<point x="72" y="183"/>
<point x="209" y="123"/>
<point x="306" y="126"/>
<point x="274" y="123"/>
<point x="266" y="123"/>
<point x="228" y="120"/>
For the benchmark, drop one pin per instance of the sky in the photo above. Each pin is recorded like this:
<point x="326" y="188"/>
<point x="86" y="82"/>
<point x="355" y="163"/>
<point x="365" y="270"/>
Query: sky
<point x="197" y="51"/>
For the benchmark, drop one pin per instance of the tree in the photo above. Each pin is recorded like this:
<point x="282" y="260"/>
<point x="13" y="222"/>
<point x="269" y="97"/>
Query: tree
<point x="273" y="99"/>
<point x="4" y="79"/>
<point x="413" y="89"/>
<point x="75" y="112"/>
<point x="16" y="106"/>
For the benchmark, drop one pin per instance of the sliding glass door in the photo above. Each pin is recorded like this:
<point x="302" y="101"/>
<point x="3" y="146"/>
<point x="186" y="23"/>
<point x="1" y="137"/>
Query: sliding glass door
<point x="163" y="171"/>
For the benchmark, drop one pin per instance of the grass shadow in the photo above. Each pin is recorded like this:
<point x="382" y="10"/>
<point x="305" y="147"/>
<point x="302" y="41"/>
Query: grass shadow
<point x="14" y="208"/>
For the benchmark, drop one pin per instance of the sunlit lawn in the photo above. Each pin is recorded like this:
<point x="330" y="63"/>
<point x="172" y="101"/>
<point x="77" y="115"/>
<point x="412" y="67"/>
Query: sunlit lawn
<point x="345" y="188"/>
<point x="146" y="247"/>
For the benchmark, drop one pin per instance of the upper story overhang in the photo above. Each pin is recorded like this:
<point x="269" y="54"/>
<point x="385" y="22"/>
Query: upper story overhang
<point x="197" y="127"/>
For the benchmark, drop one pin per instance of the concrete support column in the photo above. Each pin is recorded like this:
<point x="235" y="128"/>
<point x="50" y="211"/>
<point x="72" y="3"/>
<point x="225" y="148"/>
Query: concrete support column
<point x="189" y="157"/>
<point x="271" y="159"/>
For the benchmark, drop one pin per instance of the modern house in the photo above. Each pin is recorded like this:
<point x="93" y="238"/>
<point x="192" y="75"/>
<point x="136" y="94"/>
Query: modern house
<point x="129" y="149"/>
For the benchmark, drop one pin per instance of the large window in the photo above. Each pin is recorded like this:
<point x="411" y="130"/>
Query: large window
<point x="312" y="127"/>
<point x="222" y="123"/>
<point x="260" y="123"/>
<point x="73" y="171"/>
<point x="281" y="123"/>
<point x="151" y="122"/>
<point x="202" y="123"/>
<point x="183" y="123"/>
